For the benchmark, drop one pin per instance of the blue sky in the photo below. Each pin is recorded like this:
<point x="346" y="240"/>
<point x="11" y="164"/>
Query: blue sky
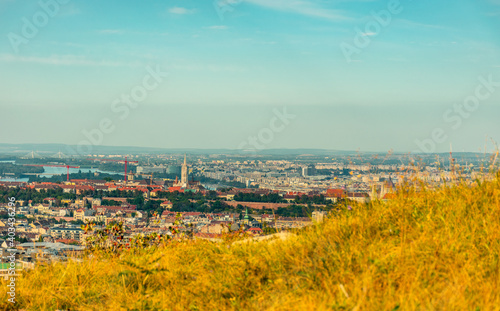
<point x="226" y="75"/>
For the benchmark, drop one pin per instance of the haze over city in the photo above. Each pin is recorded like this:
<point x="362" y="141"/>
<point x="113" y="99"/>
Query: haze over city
<point x="231" y="66"/>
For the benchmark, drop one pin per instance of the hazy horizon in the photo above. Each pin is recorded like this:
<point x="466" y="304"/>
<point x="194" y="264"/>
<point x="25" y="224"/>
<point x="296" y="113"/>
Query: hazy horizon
<point x="355" y="75"/>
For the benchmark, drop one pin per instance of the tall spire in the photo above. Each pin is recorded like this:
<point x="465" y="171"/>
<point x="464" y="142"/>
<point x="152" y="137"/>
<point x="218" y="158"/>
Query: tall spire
<point x="184" y="173"/>
<point x="246" y="218"/>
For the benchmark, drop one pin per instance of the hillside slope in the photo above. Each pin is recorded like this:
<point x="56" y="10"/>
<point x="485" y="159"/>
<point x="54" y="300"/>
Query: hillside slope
<point x="432" y="250"/>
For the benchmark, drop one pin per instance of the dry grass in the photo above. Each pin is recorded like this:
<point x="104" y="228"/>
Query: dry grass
<point x="432" y="250"/>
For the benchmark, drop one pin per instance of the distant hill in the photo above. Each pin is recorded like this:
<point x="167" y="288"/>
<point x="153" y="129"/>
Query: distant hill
<point x="70" y="150"/>
<point x="51" y="149"/>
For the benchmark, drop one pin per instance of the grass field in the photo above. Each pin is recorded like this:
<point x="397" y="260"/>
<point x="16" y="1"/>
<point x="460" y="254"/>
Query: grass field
<point x="431" y="250"/>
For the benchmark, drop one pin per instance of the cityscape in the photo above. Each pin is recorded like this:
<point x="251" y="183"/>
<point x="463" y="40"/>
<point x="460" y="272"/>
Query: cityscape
<point x="205" y="195"/>
<point x="249" y="155"/>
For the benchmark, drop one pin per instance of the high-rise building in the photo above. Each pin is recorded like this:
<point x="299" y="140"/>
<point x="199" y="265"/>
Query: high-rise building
<point x="184" y="173"/>
<point x="305" y="171"/>
<point x="308" y="170"/>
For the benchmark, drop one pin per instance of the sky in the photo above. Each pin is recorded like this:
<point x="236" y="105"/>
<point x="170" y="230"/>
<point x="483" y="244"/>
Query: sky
<point x="255" y="74"/>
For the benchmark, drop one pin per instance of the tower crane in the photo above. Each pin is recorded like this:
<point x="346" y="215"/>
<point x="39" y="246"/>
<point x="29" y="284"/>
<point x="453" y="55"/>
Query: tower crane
<point x="452" y="161"/>
<point x="116" y="160"/>
<point x="49" y="165"/>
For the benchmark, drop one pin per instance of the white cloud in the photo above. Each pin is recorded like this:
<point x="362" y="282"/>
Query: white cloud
<point x="111" y="31"/>
<point x="218" y="27"/>
<point x="4" y="3"/>
<point x="129" y="32"/>
<point x="61" y="60"/>
<point x="179" y="10"/>
<point x="209" y="67"/>
<point x="69" y="10"/>
<point x="412" y="24"/>
<point x="492" y="14"/>
<point x="301" y="7"/>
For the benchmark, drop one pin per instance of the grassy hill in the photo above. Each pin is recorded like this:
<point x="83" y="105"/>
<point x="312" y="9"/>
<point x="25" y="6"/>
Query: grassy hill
<point x="431" y="250"/>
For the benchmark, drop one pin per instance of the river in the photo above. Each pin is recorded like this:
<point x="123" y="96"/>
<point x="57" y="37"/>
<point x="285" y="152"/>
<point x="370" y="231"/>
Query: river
<point x="51" y="171"/>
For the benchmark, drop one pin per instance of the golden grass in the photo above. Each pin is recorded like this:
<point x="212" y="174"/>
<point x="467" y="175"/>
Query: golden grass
<point x="431" y="250"/>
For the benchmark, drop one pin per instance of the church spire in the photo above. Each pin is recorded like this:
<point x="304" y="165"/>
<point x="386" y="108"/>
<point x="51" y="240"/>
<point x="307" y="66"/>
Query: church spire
<point x="184" y="173"/>
<point x="246" y="219"/>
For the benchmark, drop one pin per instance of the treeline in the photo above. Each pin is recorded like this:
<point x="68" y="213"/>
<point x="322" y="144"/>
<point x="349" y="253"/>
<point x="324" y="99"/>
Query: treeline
<point x="207" y="180"/>
<point x="295" y="211"/>
<point x="83" y="163"/>
<point x="254" y="197"/>
<point x="18" y="170"/>
<point x="80" y="175"/>
<point x="276" y="198"/>
<point x="182" y="201"/>
<point x="110" y="203"/>
<point x="315" y="199"/>
<point x="32" y="194"/>
<point x="204" y="206"/>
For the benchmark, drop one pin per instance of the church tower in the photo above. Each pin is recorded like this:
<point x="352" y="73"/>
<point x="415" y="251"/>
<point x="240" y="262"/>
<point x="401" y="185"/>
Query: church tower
<point x="246" y="219"/>
<point x="184" y="173"/>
